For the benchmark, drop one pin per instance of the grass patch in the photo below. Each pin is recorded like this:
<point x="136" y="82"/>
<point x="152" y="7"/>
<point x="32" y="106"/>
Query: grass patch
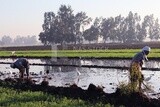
<point x="12" y="98"/>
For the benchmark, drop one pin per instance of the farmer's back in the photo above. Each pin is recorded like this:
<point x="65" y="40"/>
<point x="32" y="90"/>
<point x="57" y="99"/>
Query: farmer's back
<point x="21" y="62"/>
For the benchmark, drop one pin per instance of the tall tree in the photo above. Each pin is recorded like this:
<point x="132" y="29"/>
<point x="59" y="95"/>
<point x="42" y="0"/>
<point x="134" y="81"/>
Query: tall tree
<point x="93" y="33"/>
<point x="44" y="36"/>
<point x="140" y="33"/>
<point x="149" y="23"/>
<point x="19" y="40"/>
<point x="132" y="21"/>
<point x="117" y="30"/>
<point x="66" y="22"/>
<point x="30" y="40"/>
<point x="122" y="30"/>
<point x="6" y="40"/>
<point x="64" y="27"/>
<point x="81" y="20"/>
<point x="155" y="34"/>
<point x="106" y="26"/>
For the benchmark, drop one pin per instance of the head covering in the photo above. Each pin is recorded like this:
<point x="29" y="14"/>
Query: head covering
<point x="146" y="48"/>
<point x="12" y="65"/>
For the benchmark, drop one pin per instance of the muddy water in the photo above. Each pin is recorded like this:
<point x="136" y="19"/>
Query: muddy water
<point x="65" y="76"/>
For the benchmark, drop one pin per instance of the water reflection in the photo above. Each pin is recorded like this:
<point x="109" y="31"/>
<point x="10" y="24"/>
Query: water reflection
<point x="97" y="62"/>
<point x="65" y="76"/>
<point x="62" y="61"/>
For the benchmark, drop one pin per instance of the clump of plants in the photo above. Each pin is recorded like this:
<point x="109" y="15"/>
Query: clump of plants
<point x="126" y="89"/>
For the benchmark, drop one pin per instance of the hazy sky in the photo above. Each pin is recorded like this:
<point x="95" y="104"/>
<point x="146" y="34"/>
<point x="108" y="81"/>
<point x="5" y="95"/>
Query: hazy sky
<point x="25" y="17"/>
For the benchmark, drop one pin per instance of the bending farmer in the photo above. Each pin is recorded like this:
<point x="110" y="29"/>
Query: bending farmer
<point x="136" y="77"/>
<point x="22" y="64"/>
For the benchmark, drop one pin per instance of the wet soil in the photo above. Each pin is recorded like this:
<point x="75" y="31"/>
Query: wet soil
<point x="93" y="94"/>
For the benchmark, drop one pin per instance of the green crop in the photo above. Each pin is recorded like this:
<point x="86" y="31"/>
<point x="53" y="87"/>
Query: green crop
<point x="110" y="53"/>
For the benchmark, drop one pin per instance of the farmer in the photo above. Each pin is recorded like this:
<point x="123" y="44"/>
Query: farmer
<point x="136" y="77"/>
<point x="23" y="65"/>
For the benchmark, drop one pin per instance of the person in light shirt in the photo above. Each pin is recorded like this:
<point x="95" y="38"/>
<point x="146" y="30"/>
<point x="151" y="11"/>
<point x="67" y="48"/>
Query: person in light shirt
<point x="136" y="76"/>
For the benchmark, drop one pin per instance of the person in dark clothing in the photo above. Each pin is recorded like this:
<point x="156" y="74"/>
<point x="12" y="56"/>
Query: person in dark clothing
<point x="23" y="65"/>
<point x="136" y="76"/>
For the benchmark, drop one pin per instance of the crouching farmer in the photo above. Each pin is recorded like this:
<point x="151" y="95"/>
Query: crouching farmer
<point x="23" y="65"/>
<point x="136" y="76"/>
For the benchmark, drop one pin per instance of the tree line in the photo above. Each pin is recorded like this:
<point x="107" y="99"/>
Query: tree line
<point x="67" y="27"/>
<point x="18" y="41"/>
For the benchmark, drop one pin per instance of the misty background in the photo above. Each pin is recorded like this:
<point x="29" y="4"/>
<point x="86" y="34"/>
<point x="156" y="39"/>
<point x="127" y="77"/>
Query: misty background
<point x="67" y="27"/>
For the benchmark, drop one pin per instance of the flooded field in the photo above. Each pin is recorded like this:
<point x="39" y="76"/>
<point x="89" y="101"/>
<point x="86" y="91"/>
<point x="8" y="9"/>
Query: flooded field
<point x="83" y="76"/>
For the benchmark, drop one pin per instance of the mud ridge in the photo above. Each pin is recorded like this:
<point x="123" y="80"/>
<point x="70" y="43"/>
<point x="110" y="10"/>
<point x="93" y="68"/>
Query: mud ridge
<point x="93" y="94"/>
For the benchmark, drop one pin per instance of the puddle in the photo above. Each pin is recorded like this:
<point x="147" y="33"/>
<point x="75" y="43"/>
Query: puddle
<point x="65" y="76"/>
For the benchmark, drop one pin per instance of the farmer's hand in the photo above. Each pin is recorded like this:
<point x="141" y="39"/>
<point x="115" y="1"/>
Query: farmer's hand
<point x="142" y="77"/>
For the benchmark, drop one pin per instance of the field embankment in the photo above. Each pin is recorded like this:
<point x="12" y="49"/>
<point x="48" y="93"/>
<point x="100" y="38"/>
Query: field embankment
<point x="85" y="46"/>
<point x="93" y="94"/>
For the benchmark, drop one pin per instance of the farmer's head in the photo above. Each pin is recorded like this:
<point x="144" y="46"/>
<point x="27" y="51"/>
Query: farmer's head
<point x="12" y="65"/>
<point x="146" y="50"/>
